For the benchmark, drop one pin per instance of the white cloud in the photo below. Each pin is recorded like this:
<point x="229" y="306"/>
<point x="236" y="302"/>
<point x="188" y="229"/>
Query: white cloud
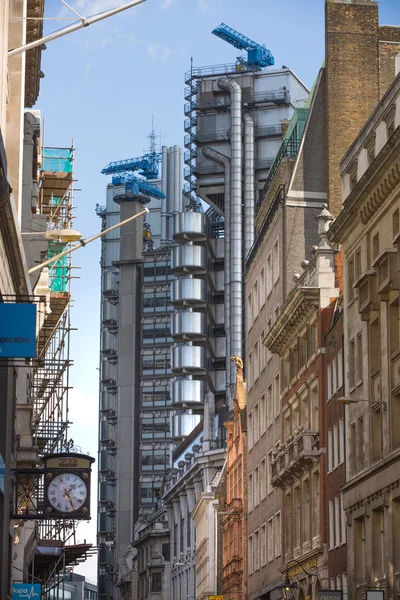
<point x="87" y="70"/>
<point x="158" y="53"/>
<point x="165" y="4"/>
<point x="209" y="8"/>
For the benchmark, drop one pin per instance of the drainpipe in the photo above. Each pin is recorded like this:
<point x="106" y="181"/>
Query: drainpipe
<point x="235" y="223"/>
<point x="164" y="179"/>
<point x="249" y="183"/>
<point x="226" y="162"/>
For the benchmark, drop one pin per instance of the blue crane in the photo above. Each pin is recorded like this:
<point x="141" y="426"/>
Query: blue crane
<point x="257" y="56"/>
<point x="123" y="173"/>
<point x="147" y="165"/>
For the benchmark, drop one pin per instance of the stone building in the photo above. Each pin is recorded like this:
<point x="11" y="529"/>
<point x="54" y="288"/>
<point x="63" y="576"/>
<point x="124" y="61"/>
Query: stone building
<point x="298" y="464"/>
<point x="234" y="514"/>
<point x="302" y="178"/>
<point x="369" y="231"/>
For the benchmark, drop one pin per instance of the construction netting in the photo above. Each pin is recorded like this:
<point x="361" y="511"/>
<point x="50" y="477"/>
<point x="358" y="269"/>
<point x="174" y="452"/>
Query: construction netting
<point x="57" y="159"/>
<point x="58" y="270"/>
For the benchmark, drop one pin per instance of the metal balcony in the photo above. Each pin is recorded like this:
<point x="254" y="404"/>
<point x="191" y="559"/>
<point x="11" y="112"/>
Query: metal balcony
<point x="188" y="391"/>
<point x="188" y="259"/>
<point x="106" y="494"/>
<point x="108" y="434"/>
<point x="109" y="314"/>
<point x="105" y="524"/>
<point x="108" y="403"/>
<point x="106" y="463"/>
<point x="110" y="284"/>
<point x="108" y="344"/>
<point x="183" y="425"/>
<point x="191" y="227"/>
<point x="187" y="292"/>
<point x="188" y="359"/>
<point x="108" y="373"/>
<point x="189" y="326"/>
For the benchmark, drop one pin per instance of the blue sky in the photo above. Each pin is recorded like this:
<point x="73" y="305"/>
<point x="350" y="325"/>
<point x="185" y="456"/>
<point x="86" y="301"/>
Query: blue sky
<point x="103" y="83"/>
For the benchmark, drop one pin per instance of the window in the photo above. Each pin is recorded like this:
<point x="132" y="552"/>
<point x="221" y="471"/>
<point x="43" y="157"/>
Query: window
<point x="256" y="423"/>
<point x="250" y="368"/>
<point x="329" y="450"/>
<point x="269" y="473"/>
<point x="306" y="510"/>
<point x="269" y="275"/>
<point x="250" y="430"/>
<point x="156" y="582"/>
<point x="276" y="264"/>
<point x="337" y="521"/>
<point x="331" y="526"/>
<point x="335" y="446"/>
<point x="263" y="352"/>
<point x="277" y="395"/>
<point x="314" y="408"/>
<point x="360" y="443"/>
<point x="250" y="492"/>
<point x="256" y="487"/>
<point x="329" y="382"/>
<point x="263" y="415"/>
<point x="269" y="327"/>
<point x="250" y="554"/>
<point x="315" y="496"/>
<point x="340" y="368"/>
<point x="255" y="301"/>
<point x="249" y="311"/>
<point x="344" y="585"/>
<point x="353" y="445"/>
<point x="256" y="560"/>
<point x="334" y="378"/>
<point x="375" y="245"/>
<point x="357" y="264"/>
<point x="270" y="405"/>
<point x="263" y="542"/>
<point x="396" y="222"/>
<point x="343" y="521"/>
<point x="350" y="278"/>
<point x="352" y="360"/>
<point x="341" y="441"/>
<point x="271" y="548"/>
<point x="359" y="357"/>
<point x="297" y="511"/>
<point x="278" y="534"/>
<point x="288" y="522"/>
<point x="256" y="360"/>
<point x="262" y="287"/>
<point x="263" y="479"/>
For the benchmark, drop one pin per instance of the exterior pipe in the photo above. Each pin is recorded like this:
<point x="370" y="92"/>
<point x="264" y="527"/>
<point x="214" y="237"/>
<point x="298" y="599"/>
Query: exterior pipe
<point x="164" y="179"/>
<point x="84" y="22"/>
<point x="177" y="172"/>
<point x="249" y="183"/>
<point x="170" y="191"/>
<point x="225" y="161"/>
<point x="235" y="221"/>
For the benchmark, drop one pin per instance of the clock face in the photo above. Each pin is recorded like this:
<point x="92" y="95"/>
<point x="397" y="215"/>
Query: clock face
<point x="67" y="492"/>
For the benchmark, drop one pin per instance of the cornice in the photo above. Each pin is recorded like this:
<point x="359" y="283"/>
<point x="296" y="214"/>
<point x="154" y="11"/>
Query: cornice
<point x="296" y="312"/>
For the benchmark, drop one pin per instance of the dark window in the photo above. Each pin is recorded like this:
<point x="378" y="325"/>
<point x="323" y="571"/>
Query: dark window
<point x="156" y="582"/>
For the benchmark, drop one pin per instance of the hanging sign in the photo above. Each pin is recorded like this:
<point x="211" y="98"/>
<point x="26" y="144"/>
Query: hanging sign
<point x="17" y="330"/>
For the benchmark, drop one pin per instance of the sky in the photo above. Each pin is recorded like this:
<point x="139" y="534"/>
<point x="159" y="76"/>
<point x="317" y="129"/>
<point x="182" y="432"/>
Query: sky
<point x="101" y="87"/>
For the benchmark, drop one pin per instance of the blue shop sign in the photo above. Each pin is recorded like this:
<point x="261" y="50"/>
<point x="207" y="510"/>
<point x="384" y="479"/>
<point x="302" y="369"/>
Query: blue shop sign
<point x="17" y="330"/>
<point x="26" y="590"/>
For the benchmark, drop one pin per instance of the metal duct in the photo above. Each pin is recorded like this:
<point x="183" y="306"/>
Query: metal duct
<point x="170" y="190"/>
<point x="235" y="221"/>
<point x="225" y="161"/>
<point x="164" y="179"/>
<point x="249" y="183"/>
<point x="177" y="170"/>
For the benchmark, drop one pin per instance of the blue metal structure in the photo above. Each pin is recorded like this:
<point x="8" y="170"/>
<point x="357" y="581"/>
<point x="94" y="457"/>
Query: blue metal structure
<point x="257" y="55"/>
<point x="135" y="185"/>
<point x="147" y="165"/>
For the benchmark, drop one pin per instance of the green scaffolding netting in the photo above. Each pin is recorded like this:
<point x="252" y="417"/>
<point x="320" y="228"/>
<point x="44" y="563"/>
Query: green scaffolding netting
<point x="57" y="159"/>
<point x="59" y="268"/>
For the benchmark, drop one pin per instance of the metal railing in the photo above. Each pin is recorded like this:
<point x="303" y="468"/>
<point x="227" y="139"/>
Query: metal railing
<point x="274" y="206"/>
<point x="288" y="148"/>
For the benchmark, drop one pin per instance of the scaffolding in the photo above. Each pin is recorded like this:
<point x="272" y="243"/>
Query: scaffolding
<point x="56" y="545"/>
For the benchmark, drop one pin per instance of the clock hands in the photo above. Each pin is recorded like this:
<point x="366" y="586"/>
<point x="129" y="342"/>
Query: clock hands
<point x="67" y="495"/>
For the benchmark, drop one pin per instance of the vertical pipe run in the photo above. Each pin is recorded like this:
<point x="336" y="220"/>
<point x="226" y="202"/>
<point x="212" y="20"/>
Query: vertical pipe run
<point x="177" y="171"/>
<point x="164" y="179"/>
<point x="225" y="161"/>
<point x="249" y="183"/>
<point x="170" y="191"/>
<point x="234" y="228"/>
<point x="180" y="180"/>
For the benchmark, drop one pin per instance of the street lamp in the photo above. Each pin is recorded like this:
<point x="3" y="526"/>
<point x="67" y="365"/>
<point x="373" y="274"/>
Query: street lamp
<point x="287" y="589"/>
<point x="83" y="242"/>
<point x="58" y="235"/>
<point x="346" y="400"/>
